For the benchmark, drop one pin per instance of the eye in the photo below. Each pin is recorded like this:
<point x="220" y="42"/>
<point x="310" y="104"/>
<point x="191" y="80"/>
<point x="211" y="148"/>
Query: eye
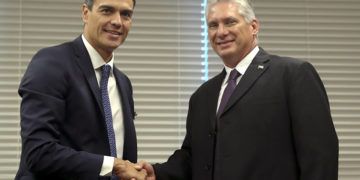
<point x="126" y="14"/>
<point x="106" y="11"/>
<point x="212" y="25"/>
<point x="230" y="22"/>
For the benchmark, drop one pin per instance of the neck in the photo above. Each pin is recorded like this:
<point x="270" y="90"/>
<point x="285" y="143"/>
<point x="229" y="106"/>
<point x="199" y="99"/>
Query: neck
<point x="234" y="60"/>
<point x="106" y="55"/>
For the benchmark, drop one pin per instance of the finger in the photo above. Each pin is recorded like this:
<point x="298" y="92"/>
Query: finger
<point x="144" y="172"/>
<point x="139" y="165"/>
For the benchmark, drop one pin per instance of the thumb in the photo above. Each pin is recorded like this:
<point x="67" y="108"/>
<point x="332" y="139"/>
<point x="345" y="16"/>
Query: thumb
<point x="140" y="165"/>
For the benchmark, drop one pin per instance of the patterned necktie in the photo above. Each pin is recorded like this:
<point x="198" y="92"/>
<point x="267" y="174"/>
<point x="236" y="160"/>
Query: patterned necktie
<point x="107" y="108"/>
<point x="234" y="74"/>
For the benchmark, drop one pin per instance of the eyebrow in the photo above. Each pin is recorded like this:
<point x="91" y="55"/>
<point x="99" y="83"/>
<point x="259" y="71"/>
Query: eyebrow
<point x="211" y="22"/>
<point x="106" y="7"/>
<point x="128" y="10"/>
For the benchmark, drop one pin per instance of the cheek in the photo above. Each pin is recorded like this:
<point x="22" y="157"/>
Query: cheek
<point x="126" y="28"/>
<point x="212" y="43"/>
<point x="211" y="37"/>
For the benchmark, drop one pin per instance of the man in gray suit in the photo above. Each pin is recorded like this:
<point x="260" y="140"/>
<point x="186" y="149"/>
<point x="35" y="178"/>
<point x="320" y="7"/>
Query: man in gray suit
<point x="269" y="119"/>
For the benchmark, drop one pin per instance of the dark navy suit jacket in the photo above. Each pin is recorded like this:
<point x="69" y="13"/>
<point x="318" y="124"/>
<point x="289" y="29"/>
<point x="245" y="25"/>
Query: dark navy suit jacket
<point x="62" y="122"/>
<point x="276" y="126"/>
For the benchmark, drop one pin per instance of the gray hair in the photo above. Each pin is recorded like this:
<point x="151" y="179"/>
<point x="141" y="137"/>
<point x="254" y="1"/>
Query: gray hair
<point x="244" y="6"/>
<point x="90" y="3"/>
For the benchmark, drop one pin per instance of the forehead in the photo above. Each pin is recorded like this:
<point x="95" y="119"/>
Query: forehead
<point x="223" y="10"/>
<point x="114" y="3"/>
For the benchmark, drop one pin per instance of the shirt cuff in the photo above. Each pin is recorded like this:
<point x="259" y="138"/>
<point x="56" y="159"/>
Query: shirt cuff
<point x="107" y="166"/>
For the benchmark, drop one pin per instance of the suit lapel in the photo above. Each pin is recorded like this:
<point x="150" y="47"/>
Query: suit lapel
<point x="84" y="63"/>
<point x="130" y="146"/>
<point x="213" y="96"/>
<point x="257" y="67"/>
<point x="124" y="93"/>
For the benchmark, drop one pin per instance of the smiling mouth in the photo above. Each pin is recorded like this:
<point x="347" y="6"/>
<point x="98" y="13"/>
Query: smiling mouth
<point x="113" y="32"/>
<point x="224" y="43"/>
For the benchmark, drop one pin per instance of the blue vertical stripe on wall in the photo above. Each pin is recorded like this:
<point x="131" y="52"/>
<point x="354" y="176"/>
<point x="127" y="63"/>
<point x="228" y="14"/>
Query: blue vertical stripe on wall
<point x="204" y="47"/>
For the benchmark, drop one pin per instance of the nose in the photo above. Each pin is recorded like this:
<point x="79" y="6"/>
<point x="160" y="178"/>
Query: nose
<point x="222" y="30"/>
<point x="116" y="20"/>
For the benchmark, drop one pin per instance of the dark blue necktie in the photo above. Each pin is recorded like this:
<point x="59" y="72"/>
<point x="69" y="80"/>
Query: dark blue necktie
<point x="234" y="74"/>
<point x="107" y="108"/>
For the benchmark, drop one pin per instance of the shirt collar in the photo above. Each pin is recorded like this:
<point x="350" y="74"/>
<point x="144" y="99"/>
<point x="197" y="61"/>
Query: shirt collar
<point x="96" y="60"/>
<point x="244" y="63"/>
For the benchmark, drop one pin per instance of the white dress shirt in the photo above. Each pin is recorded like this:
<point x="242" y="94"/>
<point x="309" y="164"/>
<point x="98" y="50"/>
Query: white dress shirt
<point x="241" y="68"/>
<point x="115" y="103"/>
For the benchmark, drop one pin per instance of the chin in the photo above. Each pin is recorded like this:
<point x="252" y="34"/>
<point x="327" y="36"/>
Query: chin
<point x="114" y="44"/>
<point x="225" y="53"/>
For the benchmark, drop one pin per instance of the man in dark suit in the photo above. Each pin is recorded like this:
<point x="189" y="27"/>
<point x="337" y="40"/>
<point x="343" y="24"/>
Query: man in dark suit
<point x="270" y="121"/>
<point x="70" y="128"/>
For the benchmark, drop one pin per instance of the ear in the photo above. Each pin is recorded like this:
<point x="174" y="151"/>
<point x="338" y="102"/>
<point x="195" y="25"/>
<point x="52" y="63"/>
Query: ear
<point x="255" y="26"/>
<point x="85" y="13"/>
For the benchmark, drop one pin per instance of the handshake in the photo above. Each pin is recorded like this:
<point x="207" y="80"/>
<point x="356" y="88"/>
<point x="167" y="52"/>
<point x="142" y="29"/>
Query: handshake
<point x="130" y="171"/>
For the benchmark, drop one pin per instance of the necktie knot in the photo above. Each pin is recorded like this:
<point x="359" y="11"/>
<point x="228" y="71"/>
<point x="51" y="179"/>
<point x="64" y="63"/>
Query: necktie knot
<point x="234" y="74"/>
<point x="105" y="71"/>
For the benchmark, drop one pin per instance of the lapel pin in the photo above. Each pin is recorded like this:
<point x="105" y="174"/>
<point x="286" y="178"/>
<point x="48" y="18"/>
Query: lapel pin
<point x="260" y="67"/>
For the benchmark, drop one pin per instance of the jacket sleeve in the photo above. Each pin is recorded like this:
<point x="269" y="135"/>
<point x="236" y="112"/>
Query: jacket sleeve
<point x="179" y="164"/>
<point x="314" y="134"/>
<point x="43" y="111"/>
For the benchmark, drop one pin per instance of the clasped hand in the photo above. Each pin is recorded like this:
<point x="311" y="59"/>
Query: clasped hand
<point x="130" y="171"/>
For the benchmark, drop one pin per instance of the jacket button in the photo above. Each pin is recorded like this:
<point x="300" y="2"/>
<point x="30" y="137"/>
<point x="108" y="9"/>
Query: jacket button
<point x="211" y="134"/>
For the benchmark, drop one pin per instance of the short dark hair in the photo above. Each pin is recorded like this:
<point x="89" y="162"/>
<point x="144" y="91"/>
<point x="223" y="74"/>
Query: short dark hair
<point x="90" y="3"/>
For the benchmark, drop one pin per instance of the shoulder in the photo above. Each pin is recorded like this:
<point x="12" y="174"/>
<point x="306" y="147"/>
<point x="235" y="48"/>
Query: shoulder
<point x="54" y="52"/>
<point x="288" y="65"/>
<point x="286" y="61"/>
<point x="51" y="58"/>
<point x="56" y="57"/>
<point x="212" y="82"/>
<point x="291" y="69"/>
<point x="48" y="68"/>
<point x="209" y="87"/>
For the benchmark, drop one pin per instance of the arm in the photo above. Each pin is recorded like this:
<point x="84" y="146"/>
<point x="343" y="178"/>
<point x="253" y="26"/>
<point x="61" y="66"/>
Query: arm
<point x="179" y="165"/>
<point x="314" y="134"/>
<point x="43" y="112"/>
<point x="176" y="168"/>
